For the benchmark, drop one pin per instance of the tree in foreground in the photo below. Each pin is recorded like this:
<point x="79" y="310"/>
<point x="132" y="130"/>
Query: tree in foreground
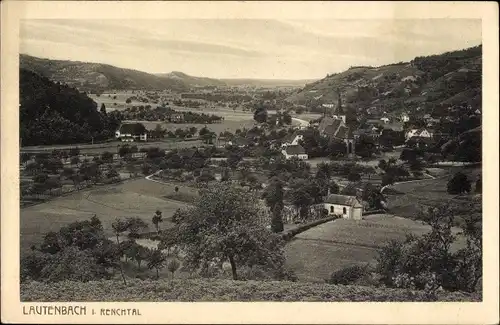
<point x="459" y="184"/>
<point x="156" y="260"/>
<point x="428" y="262"/>
<point x="273" y="196"/>
<point x="225" y="226"/>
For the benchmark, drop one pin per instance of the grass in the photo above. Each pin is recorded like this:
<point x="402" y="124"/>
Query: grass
<point x="314" y="254"/>
<point x="137" y="198"/>
<point x="429" y="192"/>
<point x="217" y="290"/>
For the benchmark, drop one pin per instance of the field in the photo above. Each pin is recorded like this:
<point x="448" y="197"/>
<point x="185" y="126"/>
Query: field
<point x="136" y="198"/>
<point x="121" y="96"/>
<point x="314" y="254"/>
<point x="428" y="192"/>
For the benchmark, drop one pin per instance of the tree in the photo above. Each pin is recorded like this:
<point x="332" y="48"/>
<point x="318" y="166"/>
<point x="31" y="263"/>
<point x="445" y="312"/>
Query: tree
<point x="387" y="179"/>
<point x="323" y="171"/>
<point x="224" y="225"/>
<point x="74" y="151"/>
<point x="156" y="260"/>
<point x="119" y="226"/>
<point x="286" y="118"/>
<point x="157" y="219"/>
<point x="427" y="262"/>
<point x="75" y="160"/>
<point x="350" y="190"/>
<point x="353" y="177"/>
<point x="112" y="174"/>
<point x="273" y="196"/>
<point x="333" y="187"/>
<point x="135" y="225"/>
<point x="173" y="265"/>
<point x="260" y="114"/>
<point x="459" y="184"/>
<point x="103" y="109"/>
<point x="479" y="184"/>
<point x="233" y="159"/>
<point x="301" y="199"/>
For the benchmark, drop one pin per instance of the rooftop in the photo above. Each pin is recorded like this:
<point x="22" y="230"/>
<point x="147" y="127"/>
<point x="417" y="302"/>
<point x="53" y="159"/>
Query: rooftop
<point x="343" y="200"/>
<point x="295" y="150"/>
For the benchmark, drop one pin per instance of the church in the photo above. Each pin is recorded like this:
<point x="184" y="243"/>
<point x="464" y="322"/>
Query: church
<point x="340" y="127"/>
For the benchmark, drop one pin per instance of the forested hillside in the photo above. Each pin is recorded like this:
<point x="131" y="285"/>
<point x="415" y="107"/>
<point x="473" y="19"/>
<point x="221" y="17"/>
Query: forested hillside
<point x="53" y="113"/>
<point x="97" y="76"/>
<point x="424" y="84"/>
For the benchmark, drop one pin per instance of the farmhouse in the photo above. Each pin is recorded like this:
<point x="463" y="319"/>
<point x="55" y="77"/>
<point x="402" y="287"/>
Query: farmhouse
<point x="419" y="133"/>
<point x="295" y="151"/>
<point x="129" y="132"/>
<point x="348" y="207"/>
<point x="293" y="139"/>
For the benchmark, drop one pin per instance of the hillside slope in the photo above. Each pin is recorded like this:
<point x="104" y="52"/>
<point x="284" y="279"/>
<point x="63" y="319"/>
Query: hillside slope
<point x="89" y="76"/>
<point x="190" y="80"/>
<point x="218" y="290"/>
<point x="452" y="78"/>
<point x="52" y="113"/>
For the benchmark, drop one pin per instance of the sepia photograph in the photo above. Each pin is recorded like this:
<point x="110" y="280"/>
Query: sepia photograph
<point x="247" y="159"/>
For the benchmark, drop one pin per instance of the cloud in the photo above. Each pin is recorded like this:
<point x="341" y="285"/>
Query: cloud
<point x="246" y="48"/>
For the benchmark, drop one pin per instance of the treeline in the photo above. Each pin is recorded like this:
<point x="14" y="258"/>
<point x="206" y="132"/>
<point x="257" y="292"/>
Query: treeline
<point x="53" y="113"/>
<point x="160" y="113"/>
<point x="214" y="97"/>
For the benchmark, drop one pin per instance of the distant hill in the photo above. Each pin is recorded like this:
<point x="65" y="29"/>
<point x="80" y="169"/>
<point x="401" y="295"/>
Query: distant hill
<point x="190" y="80"/>
<point x="267" y="82"/>
<point x="89" y="76"/>
<point x="452" y="78"/>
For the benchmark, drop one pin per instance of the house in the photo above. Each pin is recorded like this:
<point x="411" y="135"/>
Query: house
<point x="372" y="132"/>
<point x="175" y="117"/>
<point x="385" y="120"/>
<point x="295" y="151"/>
<point x="349" y="207"/>
<point x="239" y="142"/>
<point x="433" y="121"/>
<point x="130" y="132"/>
<point x="404" y="117"/>
<point x="293" y="139"/>
<point x="420" y="133"/>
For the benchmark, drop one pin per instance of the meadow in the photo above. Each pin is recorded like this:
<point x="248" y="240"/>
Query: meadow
<point x="314" y="254"/>
<point x="429" y="192"/>
<point x="135" y="198"/>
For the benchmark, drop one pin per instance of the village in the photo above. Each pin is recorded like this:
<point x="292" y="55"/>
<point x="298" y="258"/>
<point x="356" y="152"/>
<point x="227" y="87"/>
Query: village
<point x="196" y="187"/>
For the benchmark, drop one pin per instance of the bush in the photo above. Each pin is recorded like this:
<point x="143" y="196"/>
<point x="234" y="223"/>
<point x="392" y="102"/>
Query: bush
<point x="348" y="275"/>
<point x="459" y="184"/>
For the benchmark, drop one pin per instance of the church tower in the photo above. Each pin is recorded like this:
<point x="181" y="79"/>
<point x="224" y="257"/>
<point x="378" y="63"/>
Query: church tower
<point x="340" y="109"/>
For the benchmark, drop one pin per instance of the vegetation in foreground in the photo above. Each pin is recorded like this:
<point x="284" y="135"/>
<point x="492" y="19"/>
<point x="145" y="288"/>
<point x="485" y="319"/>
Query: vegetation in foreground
<point x="220" y="290"/>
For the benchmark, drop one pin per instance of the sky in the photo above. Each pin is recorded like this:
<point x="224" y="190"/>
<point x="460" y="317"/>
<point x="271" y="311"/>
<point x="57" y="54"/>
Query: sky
<point x="238" y="48"/>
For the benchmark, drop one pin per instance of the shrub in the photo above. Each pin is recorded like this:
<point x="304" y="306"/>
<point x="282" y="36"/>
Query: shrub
<point x="459" y="184"/>
<point x="348" y="275"/>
